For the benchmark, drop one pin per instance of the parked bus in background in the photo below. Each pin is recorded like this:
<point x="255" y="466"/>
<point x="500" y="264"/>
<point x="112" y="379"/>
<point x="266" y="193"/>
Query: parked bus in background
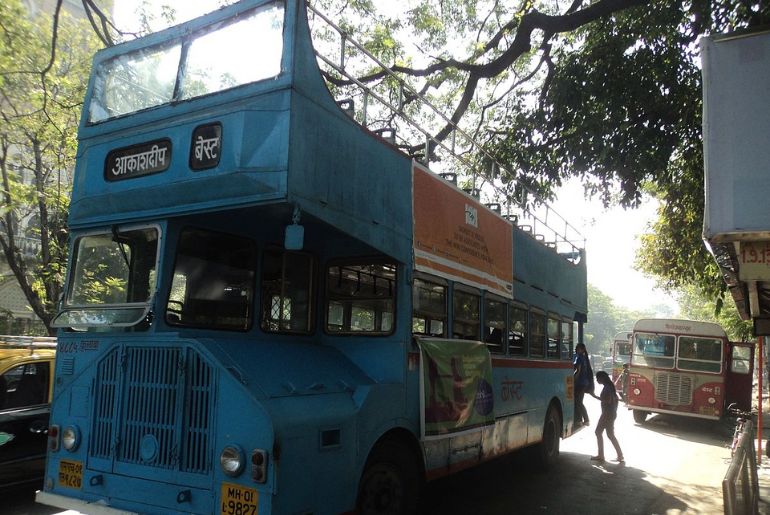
<point x="688" y="368"/>
<point x="621" y="355"/>
<point x="271" y="309"/>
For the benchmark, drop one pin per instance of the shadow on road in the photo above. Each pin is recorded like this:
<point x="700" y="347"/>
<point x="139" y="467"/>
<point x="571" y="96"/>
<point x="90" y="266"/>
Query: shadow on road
<point x="709" y="432"/>
<point x="21" y="501"/>
<point x="575" y="485"/>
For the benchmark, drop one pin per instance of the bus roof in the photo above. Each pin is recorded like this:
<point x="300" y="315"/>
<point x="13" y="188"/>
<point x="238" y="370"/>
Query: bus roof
<point x="672" y="325"/>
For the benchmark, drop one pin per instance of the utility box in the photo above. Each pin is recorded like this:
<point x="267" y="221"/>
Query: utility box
<point x="736" y="137"/>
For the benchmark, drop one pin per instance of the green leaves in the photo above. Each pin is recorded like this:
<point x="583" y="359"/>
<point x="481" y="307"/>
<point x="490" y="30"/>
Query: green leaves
<point x="39" y="114"/>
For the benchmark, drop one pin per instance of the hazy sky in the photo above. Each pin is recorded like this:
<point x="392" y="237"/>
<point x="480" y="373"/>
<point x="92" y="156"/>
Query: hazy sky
<point x="612" y="241"/>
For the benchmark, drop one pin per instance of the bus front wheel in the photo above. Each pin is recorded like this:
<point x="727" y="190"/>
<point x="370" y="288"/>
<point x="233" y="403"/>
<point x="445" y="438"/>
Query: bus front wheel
<point x="640" y="416"/>
<point x="391" y="481"/>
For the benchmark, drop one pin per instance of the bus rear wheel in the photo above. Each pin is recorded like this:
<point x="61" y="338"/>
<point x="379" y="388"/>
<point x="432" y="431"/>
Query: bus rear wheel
<point x="547" y="451"/>
<point x="640" y="416"/>
<point x="391" y="481"/>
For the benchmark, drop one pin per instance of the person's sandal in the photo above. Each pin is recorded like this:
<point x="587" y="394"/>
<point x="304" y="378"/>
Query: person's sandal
<point x="597" y="458"/>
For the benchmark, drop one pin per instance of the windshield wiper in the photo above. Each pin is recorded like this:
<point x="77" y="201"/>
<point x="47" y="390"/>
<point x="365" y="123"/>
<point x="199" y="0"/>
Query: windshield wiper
<point x="121" y="241"/>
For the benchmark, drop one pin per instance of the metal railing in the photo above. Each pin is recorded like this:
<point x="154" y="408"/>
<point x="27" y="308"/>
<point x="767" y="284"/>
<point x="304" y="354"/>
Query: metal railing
<point x="740" y="487"/>
<point x="392" y="105"/>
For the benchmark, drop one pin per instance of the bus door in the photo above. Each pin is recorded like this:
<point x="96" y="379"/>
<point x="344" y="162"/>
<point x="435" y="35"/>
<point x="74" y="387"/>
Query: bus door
<point x="739" y="377"/>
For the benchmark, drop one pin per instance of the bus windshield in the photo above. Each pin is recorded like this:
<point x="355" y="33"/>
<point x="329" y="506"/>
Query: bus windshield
<point x="112" y="280"/>
<point x="190" y="67"/>
<point x="654" y="350"/>
<point x="700" y="354"/>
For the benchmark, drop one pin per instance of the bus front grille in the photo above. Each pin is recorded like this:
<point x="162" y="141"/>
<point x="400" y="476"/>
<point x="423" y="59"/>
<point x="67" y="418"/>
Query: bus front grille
<point x="153" y="408"/>
<point x="673" y="389"/>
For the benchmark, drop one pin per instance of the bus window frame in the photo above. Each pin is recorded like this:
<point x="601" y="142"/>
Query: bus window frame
<point x="142" y="308"/>
<point x="360" y="261"/>
<point x="720" y="362"/>
<point x="526" y="337"/>
<point x="470" y="291"/>
<point x="437" y="281"/>
<point x="567" y="323"/>
<point x="250" y="302"/>
<point x="194" y="30"/>
<point x="735" y="359"/>
<point x="537" y="312"/>
<point x="645" y="356"/>
<point x="484" y="325"/>
<point x="311" y="294"/>
<point x="556" y="319"/>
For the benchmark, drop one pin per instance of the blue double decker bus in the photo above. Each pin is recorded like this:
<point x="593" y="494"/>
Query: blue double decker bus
<point x="271" y="309"/>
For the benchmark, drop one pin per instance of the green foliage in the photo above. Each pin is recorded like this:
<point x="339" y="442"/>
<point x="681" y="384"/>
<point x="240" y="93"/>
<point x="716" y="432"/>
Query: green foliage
<point x="605" y="320"/>
<point x="622" y="110"/>
<point x="40" y="110"/>
<point x="695" y="305"/>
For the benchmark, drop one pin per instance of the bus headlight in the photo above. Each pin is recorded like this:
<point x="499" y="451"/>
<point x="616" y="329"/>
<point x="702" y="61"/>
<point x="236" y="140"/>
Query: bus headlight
<point x="637" y="391"/>
<point x="712" y="400"/>
<point x="70" y="438"/>
<point x="232" y="460"/>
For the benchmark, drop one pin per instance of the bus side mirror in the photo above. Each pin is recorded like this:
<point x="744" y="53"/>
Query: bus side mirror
<point x="294" y="237"/>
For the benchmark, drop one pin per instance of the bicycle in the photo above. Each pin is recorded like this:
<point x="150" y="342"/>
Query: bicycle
<point x="740" y="424"/>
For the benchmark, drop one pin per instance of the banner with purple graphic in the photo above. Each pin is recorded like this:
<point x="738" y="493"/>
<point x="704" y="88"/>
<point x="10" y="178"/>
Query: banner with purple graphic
<point x="455" y="386"/>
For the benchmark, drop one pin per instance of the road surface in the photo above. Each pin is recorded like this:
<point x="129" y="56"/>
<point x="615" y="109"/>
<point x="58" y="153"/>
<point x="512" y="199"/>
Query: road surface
<point x="674" y="465"/>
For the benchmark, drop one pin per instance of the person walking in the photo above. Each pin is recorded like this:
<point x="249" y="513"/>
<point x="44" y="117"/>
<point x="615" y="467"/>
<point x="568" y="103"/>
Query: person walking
<point x="609" y="400"/>
<point x="621" y="383"/>
<point x="584" y="383"/>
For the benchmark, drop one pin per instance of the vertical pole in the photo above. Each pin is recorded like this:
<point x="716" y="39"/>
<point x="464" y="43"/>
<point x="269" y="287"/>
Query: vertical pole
<point x="760" y="351"/>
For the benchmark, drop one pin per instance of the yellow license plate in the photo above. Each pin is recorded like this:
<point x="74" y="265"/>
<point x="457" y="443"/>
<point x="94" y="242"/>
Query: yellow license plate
<point x="70" y="474"/>
<point x="238" y="500"/>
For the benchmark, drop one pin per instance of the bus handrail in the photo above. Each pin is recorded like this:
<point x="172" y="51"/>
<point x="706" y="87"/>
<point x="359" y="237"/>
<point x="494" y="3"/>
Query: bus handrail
<point x="560" y="235"/>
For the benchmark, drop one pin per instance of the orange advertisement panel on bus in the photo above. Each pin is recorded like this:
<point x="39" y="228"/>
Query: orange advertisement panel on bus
<point x="457" y="237"/>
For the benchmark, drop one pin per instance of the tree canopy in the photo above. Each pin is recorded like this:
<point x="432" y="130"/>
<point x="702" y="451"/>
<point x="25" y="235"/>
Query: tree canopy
<point x="41" y="93"/>
<point x="607" y="91"/>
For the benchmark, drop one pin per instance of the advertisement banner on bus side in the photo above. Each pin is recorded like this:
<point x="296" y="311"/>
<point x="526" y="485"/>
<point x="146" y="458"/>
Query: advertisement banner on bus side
<point x="455" y="386"/>
<point x="457" y="237"/>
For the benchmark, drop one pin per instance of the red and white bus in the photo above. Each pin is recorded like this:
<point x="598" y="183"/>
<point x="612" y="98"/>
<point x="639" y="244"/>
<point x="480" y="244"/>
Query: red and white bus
<point x="688" y="368"/>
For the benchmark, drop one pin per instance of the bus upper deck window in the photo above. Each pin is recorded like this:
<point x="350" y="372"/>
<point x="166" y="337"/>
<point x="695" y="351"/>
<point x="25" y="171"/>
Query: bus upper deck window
<point x="213" y="66"/>
<point x="360" y="298"/>
<point x="132" y="82"/>
<point x="213" y="281"/>
<point x="191" y="65"/>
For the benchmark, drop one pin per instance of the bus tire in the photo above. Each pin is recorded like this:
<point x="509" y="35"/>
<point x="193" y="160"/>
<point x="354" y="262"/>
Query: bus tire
<point x="640" y="416"/>
<point x="391" y="481"/>
<point x="547" y="451"/>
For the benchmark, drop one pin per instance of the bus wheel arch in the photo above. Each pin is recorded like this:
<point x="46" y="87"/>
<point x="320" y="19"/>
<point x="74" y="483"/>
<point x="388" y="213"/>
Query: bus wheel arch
<point x="547" y="451"/>
<point x="393" y="476"/>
